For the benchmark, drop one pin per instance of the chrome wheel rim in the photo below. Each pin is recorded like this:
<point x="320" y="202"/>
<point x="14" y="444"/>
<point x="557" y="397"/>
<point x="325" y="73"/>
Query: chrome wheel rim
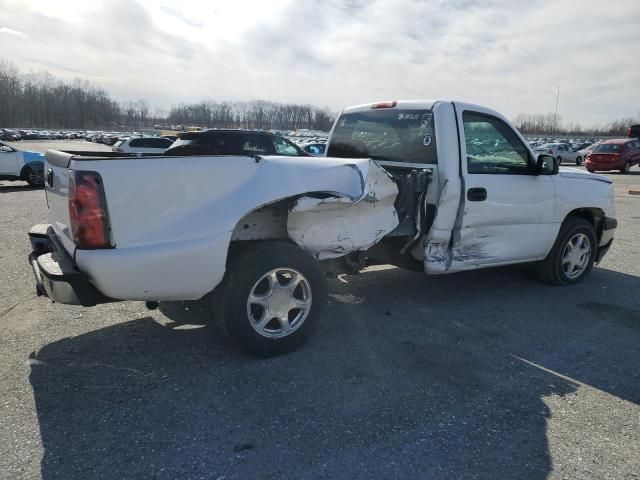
<point x="279" y="303"/>
<point x="576" y="255"/>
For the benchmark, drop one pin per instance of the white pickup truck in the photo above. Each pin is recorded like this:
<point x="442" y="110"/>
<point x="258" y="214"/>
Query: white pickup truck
<point x="433" y="186"/>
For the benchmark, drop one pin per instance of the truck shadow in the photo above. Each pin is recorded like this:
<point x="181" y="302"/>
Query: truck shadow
<point x="405" y="378"/>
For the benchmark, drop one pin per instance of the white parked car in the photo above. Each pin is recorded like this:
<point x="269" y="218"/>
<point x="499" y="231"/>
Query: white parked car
<point x="563" y="152"/>
<point x="587" y="150"/>
<point x="432" y="186"/>
<point x="156" y="145"/>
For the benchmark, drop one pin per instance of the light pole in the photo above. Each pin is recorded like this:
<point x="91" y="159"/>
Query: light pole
<point x="555" y="115"/>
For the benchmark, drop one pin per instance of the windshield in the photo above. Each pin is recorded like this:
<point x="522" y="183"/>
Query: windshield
<point x="608" y="148"/>
<point x="406" y="136"/>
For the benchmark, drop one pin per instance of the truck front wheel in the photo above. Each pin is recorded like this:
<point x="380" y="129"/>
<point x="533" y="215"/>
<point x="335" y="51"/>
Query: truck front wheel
<point x="572" y="255"/>
<point x="271" y="298"/>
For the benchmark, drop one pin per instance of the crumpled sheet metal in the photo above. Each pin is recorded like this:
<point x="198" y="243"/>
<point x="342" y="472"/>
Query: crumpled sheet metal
<point x="335" y="226"/>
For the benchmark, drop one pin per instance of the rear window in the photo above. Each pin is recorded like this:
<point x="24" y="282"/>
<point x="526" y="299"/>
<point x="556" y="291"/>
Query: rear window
<point x="151" y="142"/>
<point x="608" y="148"/>
<point x="406" y="136"/>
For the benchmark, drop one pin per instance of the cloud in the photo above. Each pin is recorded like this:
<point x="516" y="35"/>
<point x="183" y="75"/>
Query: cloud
<point x="11" y="31"/>
<point x="509" y="55"/>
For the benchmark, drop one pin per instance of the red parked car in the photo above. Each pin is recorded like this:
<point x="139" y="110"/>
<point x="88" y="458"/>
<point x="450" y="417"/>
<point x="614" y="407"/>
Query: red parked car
<point x="620" y="154"/>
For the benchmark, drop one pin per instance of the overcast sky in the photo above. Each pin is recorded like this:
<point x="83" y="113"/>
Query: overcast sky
<point x="510" y="55"/>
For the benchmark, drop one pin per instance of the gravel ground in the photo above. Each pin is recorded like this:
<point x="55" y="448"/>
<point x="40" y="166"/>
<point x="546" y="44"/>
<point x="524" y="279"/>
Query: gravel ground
<point x="485" y="374"/>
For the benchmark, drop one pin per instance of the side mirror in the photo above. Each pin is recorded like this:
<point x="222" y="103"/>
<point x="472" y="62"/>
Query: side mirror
<point x="547" y="165"/>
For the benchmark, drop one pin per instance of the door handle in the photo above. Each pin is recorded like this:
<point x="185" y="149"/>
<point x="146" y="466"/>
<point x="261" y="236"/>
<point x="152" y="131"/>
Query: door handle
<point x="50" y="177"/>
<point x="477" y="194"/>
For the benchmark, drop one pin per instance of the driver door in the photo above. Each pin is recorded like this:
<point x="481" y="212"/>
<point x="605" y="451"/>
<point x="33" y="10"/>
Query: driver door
<point x="508" y="211"/>
<point x="8" y="160"/>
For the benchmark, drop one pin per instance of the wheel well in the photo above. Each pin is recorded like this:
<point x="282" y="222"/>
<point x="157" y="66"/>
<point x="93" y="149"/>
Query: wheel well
<point x="592" y="215"/>
<point x="30" y="166"/>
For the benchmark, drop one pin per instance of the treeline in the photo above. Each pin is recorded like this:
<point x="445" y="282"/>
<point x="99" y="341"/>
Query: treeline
<point x="40" y="100"/>
<point x="548" y="124"/>
<point x="254" y="114"/>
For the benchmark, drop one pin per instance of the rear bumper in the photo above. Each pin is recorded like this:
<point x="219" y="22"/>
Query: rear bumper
<point x="617" y="165"/>
<point x="56" y="273"/>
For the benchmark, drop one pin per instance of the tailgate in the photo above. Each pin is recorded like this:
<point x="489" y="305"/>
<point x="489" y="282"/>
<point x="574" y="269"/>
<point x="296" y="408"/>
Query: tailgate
<point x="56" y="171"/>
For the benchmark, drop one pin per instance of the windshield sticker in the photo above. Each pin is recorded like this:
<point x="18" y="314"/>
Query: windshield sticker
<point x="408" y="116"/>
<point x="426" y="141"/>
<point x="425" y="123"/>
<point x="343" y="121"/>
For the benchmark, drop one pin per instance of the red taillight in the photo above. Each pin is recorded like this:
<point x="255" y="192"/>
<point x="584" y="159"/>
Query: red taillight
<point x="87" y="210"/>
<point x="384" y="104"/>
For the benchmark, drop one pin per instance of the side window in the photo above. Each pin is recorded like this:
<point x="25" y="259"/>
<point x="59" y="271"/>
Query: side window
<point x="283" y="147"/>
<point x="159" y="142"/>
<point x="256" y="145"/>
<point x="225" y="144"/>
<point x="137" y="142"/>
<point x="493" y="147"/>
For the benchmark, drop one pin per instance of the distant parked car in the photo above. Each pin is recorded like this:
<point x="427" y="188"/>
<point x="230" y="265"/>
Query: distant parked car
<point x="18" y="165"/>
<point x="142" y="145"/>
<point x="9" y="135"/>
<point x="618" y="154"/>
<point x="587" y="150"/>
<point x="562" y="151"/>
<point x="234" y="142"/>
<point x="634" y="131"/>
<point x="315" y="149"/>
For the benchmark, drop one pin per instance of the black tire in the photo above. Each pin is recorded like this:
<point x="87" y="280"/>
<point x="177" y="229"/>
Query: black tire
<point x="235" y="315"/>
<point x="551" y="270"/>
<point x="578" y="161"/>
<point x="559" y="160"/>
<point x="590" y="170"/>
<point x="34" y="178"/>
<point x="625" y="170"/>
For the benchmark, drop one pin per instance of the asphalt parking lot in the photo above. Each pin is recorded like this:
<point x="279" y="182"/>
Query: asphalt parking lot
<point x="486" y="374"/>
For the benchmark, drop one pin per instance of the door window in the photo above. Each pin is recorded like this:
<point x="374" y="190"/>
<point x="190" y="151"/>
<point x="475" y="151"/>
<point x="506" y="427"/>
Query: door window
<point x="493" y="147"/>
<point x="285" y="148"/>
<point x="255" y="145"/>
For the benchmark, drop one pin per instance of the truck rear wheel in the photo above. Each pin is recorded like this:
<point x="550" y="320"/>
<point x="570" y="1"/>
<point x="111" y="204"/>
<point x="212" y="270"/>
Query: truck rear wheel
<point x="572" y="255"/>
<point x="271" y="298"/>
